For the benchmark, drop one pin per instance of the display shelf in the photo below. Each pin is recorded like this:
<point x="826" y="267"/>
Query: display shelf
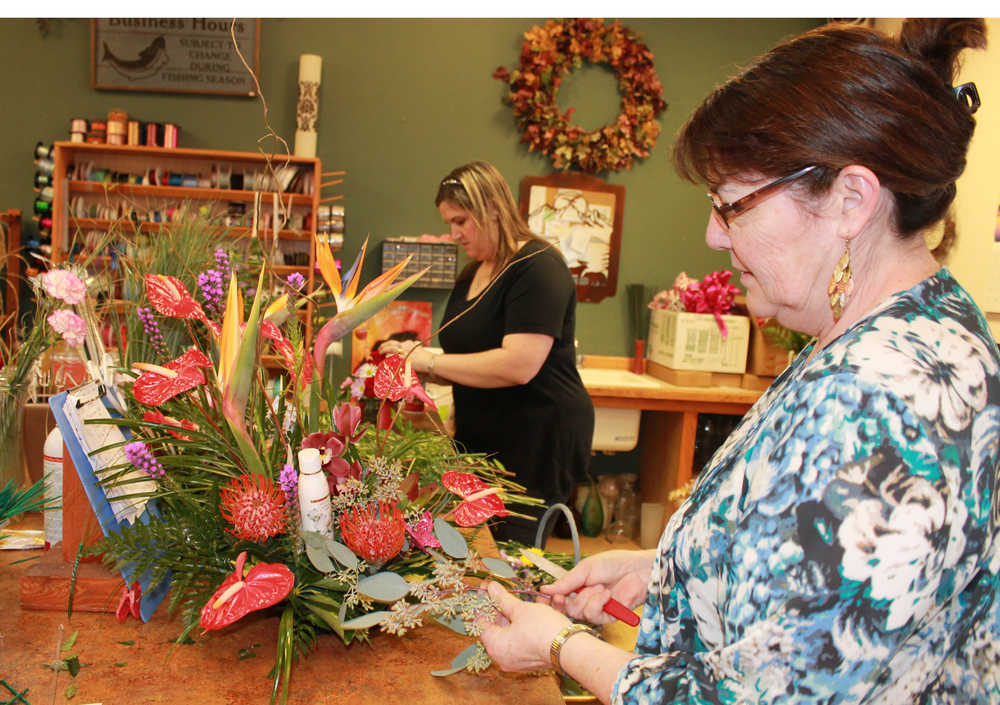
<point x="104" y="187"/>
<point x="146" y="226"/>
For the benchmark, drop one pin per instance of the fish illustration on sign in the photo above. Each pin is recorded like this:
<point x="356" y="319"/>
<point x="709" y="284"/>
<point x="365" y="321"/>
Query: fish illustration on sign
<point x="151" y="59"/>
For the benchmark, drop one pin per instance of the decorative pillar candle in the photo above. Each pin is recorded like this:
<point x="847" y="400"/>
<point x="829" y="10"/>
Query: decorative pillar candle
<point x="307" y="110"/>
<point x="314" y="494"/>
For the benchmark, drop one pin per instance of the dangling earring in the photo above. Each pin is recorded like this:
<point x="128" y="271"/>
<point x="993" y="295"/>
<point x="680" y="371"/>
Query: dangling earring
<point x="841" y="283"/>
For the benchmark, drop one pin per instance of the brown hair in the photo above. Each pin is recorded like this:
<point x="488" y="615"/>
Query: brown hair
<point x="840" y="95"/>
<point x="479" y="188"/>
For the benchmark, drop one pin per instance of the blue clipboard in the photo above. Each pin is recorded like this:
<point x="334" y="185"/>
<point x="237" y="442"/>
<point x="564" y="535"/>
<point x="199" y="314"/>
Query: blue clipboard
<point x="99" y="501"/>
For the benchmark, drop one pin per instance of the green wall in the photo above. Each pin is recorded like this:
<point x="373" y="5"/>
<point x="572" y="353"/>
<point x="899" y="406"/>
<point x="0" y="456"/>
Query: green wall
<point x="402" y="102"/>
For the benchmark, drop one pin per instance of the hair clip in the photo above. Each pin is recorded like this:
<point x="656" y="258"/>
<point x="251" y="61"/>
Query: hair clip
<point x="448" y="182"/>
<point x="968" y="96"/>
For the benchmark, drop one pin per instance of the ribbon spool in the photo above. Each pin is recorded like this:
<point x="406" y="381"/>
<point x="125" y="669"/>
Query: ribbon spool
<point x="133" y="136"/>
<point x="42" y="207"/>
<point x="42" y="179"/>
<point x="45" y="194"/>
<point x="42" y="151"/>
<point x="45" y="166"/>
<point x="171" y="133"/>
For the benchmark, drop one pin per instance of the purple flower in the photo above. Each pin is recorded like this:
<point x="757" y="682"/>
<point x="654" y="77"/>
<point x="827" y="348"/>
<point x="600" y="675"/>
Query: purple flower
<point x="140" y="456"/>
<point x="289" y="481"/>
<point x="152" y="329"/>
<point x="295" y="282"/>
<point x="210" y="283"/>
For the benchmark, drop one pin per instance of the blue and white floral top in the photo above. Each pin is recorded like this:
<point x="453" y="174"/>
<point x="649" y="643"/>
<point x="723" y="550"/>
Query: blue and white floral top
<point x="840" y="547"/>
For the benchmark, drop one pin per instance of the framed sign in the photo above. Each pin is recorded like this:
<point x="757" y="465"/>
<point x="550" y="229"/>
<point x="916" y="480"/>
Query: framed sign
<point x="174" y="55"/>
<point x="581" y="215"/>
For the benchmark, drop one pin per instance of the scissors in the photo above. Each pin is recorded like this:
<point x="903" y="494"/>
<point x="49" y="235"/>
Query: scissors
<point x="612" y="606"/>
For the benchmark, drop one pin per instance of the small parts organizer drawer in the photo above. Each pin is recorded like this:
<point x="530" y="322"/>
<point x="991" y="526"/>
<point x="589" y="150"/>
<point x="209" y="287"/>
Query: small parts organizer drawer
<point x="441" y="257"/>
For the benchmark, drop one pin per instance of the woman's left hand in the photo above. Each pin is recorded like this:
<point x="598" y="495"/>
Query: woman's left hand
<point x="521" y="637"/>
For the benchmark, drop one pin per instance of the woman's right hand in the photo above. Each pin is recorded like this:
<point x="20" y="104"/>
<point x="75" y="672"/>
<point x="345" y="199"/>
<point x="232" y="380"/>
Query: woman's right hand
<point x="623" y="575"/>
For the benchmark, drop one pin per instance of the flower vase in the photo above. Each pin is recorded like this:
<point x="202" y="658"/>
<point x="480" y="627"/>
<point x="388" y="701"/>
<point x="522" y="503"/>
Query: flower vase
<point x="12" y="457"/>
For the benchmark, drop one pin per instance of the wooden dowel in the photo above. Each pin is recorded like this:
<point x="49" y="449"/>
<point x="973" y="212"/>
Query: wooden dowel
<point x="331" y="183"/>
<point x="331" y="198"/>
<point x="333" y="173"/>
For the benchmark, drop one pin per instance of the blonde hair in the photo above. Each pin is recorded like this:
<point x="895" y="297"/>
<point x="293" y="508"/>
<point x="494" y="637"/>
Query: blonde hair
<point x="479" y="188"/>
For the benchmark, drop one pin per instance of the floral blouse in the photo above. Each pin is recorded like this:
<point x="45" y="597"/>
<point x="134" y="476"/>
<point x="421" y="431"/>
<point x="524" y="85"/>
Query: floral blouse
<point x="840" y="547"/>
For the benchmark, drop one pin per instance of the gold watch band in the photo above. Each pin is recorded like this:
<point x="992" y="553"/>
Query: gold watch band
<point x="562" y="637"/>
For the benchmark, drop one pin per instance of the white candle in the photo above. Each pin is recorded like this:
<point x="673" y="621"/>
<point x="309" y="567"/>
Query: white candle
<point x="307" y="108"/>
<point x="314" y="494"/>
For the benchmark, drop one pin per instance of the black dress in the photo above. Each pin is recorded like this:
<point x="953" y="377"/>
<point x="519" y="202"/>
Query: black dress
<point x="541" y="430"/>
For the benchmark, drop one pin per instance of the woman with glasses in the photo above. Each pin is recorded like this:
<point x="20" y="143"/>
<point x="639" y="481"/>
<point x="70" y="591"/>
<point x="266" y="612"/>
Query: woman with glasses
<point x="841" y="546"/>
<point x="509" y="347"/>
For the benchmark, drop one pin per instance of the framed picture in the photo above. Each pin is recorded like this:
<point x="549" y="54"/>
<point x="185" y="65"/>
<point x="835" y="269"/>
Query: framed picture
<point x="174" y="55"/>
<point x="582" y="216"/>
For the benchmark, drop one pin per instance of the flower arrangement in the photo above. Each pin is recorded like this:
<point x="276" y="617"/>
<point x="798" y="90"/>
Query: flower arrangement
<point x="548" y="53"/>
<point x="284" y="498"/>
<point x="714" y="294"/>
<point x="63" y="310"/>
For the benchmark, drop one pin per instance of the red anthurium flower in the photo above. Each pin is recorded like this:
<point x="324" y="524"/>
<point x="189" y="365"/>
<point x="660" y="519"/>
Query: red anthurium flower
<point x="481" y="500"/>
<point x="395" y="380"/>
<point x="385" y="410"/>
<point x="128" y="604"/>
<point x="157" y="417"/>
<point x="264" y="585"/>
<point x="422" y="532"/>
<point x="171" y="298"/>
<point x="284" y="348"/>
<point x="158" y="384"/>
<point x="376" y="533"/>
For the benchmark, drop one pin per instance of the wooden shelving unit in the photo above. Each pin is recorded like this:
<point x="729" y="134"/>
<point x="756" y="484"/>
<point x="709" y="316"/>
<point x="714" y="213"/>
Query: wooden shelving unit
<point x="216" y="172"/>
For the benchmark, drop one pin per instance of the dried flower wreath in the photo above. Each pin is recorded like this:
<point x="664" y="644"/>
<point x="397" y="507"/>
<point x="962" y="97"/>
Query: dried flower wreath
<point x="547" y="56"/>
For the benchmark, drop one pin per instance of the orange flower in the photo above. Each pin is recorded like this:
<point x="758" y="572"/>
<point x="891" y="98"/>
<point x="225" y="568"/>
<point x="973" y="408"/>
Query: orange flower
<point x="255" y="506"/>
<point x="376" y="533"/>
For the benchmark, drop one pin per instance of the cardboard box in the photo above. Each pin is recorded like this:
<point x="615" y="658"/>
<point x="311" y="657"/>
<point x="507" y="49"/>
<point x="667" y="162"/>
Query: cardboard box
<point x="766" y="359"/>
<point x="692" y="341"/>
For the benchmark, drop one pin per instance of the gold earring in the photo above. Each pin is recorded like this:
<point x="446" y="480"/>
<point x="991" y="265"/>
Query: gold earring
<point x="841" y="283"/>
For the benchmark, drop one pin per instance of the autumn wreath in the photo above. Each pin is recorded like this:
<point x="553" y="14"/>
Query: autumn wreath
<point x="548" y="54"/>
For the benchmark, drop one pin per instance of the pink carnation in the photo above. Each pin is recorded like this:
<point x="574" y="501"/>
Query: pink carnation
<point x="64" y="285"/>
<point x="69" y="325"/>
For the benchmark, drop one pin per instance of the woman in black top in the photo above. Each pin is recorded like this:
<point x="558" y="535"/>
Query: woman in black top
<point x="509" y="347"/>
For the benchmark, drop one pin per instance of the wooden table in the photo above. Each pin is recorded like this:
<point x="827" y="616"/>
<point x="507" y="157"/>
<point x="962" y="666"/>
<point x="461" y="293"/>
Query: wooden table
<point x="137" y="663"/>
<point x="669" y="422"/>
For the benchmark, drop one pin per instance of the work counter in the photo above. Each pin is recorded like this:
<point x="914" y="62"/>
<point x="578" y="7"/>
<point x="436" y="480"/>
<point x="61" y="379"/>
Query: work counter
<point x="669" y="422"/>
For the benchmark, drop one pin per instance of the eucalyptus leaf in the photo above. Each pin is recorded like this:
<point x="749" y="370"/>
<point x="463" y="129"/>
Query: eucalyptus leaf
<point x="453" y="543"/>
<point x="319" y="558"/>
<point x="70" y="691"/>
<point x="370" y="619"/>
<point x="73" y="665"/>
<point x="384" y="587"/>
<point x="342" y="554"/>
<point x="453" y="623"/>
<point x="459" y="662"/>
<point x="314" y="539"/>
<point x="498" y="567"/>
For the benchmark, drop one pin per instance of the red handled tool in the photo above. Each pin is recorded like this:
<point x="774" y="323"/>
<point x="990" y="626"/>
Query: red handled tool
<point x="612" y="606"/>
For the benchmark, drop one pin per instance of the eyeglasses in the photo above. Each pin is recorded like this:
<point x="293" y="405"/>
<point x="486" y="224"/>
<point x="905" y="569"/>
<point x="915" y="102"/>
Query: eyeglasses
<point x="727" y="211"/>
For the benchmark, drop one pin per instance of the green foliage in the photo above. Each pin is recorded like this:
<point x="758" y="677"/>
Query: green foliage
<point x="785" y="338"/>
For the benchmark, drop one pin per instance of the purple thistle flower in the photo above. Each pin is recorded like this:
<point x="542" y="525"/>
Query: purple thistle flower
<point x="152" y="329"/>
<point x="222" y="262"/>
<point x="140" y="456"/>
